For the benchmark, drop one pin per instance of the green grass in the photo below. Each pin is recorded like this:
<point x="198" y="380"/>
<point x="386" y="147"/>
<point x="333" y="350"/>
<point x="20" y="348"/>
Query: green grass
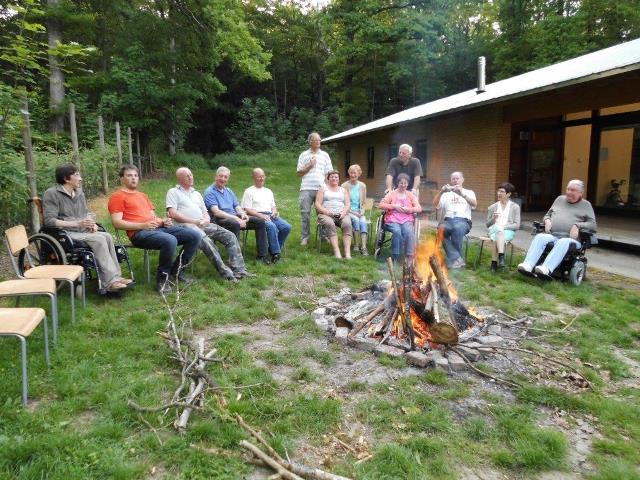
<point x="425" y="426"/>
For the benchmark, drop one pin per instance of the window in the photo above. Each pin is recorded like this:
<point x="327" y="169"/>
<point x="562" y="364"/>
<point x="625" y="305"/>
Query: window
<point x="421" y="154"/>
<point x="347" y="162"/>
<point x="393" y="151"/>
<point x="370" y="162"/>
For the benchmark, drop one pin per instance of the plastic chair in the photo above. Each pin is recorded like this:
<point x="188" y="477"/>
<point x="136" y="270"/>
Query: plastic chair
<point x="17" y="245"/>
<point x="20" y="323"/>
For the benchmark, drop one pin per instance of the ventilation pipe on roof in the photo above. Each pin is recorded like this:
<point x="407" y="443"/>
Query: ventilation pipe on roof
<point x="482" y="62"/>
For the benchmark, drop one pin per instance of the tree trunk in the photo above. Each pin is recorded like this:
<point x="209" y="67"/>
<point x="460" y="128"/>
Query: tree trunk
<point x="56" y="76"/>
<point x="74" y="134"/>
<point x="31" y="173"/>
<point x="103" y="156"/>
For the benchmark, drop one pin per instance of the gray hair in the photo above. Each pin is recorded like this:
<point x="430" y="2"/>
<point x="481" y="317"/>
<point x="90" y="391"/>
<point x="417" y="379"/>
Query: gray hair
<point x="577" y="183"/>
<point x="223" y="169"/>
<point x="406" y="146"/>
<point x="312" y="134"/>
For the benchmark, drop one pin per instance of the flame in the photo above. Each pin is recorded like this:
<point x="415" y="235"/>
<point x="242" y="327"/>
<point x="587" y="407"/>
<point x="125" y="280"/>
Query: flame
<point x="427" y="248"/>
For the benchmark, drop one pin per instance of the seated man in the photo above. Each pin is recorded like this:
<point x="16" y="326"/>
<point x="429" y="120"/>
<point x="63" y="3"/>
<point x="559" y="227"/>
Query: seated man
<point x="131" y="210"/>
<point x="224" y="209"/>
<point x="568" y="215"/>
<point x="65" y="207"/>
<point x="259" y="201"/>
<point x="404" y="163"/>
<point x="455" y="204"/>
<point x="186" y="206"/>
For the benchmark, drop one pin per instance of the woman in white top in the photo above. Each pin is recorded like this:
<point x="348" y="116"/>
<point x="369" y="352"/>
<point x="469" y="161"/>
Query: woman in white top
<point x="357" y="195"/>
<point x="503" y="219"/>
<point x="332" y="204"/>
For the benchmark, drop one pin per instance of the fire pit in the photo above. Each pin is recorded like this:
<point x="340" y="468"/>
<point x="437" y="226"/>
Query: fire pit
<point x="417" y="314"/>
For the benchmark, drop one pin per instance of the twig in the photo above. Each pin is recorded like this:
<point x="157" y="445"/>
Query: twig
<point x="484" y="374"/>
<point x="259" y="437"/>
<point x="279" y="469"/>
<point x="167" y="406"/>
<point x="155" y="432"/>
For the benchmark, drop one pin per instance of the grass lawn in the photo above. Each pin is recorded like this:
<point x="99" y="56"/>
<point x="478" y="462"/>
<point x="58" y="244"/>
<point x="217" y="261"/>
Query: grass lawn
<point x="311" y="397"/>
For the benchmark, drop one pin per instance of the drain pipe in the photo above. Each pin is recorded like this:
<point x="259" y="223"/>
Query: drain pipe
<point x="482" y="62"/>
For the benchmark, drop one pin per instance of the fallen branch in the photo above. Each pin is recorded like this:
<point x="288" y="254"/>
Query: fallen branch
<point x="277" y="467"/>
<point x="484" y="374"/>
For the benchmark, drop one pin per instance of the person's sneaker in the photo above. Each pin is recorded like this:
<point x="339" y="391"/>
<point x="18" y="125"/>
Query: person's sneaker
<point x="163" y="287"/>
<point x="264" y="260"/>
<point x="243" y="273"/>
<point x="304" y="242"/>
<point x="231" y="278"/>
<point x="457" y="263"/>
<point x="494" y="266"/>
<point x="525" y="268"/>
<point x="364" y="252"/>
<point x="275" y="258"/>
<point x="543" y="272"/>
<point x="501" y="260"/>
<point x="182" y="279"/>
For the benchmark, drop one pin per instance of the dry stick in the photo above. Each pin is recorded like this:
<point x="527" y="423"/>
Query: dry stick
<point x="367" y="319"/>
<point x="543" y="330"/>
<point x="389" y="326"/>
<point x="394" y="282"/>
<point x="406" y="283"/>
<point x="545" y="357"/>
<point x="259" y="437"/>
<point x="155" y="432"/>
<point x="280" y="470"/>
<point x="484" y="374"/>
<point x="140" y="408"/>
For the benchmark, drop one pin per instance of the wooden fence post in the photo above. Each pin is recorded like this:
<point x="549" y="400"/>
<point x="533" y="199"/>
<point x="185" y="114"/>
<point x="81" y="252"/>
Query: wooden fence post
<point x="31" y="174"/>
<point x="103" y="155"/>
<point x="118" y="144"/>
<point x="74" y="134"/>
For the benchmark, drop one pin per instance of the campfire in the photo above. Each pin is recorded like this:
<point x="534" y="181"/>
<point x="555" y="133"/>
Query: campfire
<point x="419" y="311"/>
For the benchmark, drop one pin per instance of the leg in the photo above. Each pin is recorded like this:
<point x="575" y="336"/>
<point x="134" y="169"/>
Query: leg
<point x="396" y="238"/>
<point x="232" y="225"/>
<point x="257" y="224"/>
<point x="284" y="229"/>
<point x="408" y="239"/>
<point x="157" y="239"/>
<point x="536" y="248"/>
<point x="211" y="252"/>
<point x="189" y="238"/>
<point x="230" y="241"/>
<point x="557" y="253"/>
<point x="347" y="233"/>
<point x="272" y="237"/>
<point x="459" y="230"/>
<point x="329" y="228"/>
<point x="101" y="244"/>
<point x="305" y="201"/>
<point x="444" y="232"/>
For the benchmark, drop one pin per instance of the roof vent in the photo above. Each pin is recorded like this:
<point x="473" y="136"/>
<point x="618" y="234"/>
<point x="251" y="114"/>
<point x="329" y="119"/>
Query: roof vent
<point x="482" y="62"/>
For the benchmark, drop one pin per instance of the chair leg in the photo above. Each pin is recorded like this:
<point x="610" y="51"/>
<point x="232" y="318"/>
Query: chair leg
<point x="511" y="255"/>
<point x="23" y="362"/>
<point x="46" y="343"/>
<point x="479" y="254"/>
<point x="72" y="289"/>
<point x="54" y="316"/>
<point x="466" y="247"/>
<point x="84" y="290"/>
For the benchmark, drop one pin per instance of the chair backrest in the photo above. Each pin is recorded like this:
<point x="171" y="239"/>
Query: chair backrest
<point x="16" y="239"/>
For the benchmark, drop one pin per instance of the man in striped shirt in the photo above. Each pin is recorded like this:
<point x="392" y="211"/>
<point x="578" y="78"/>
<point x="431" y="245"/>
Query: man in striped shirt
<point x="313" y="166"/>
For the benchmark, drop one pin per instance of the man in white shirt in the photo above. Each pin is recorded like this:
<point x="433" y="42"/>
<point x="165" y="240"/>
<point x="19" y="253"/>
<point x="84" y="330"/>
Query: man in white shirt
<point x="259" y="201"/>
<point x="455" y="204"/>
<point x="313" y="166"/>
<point x="186" y="207"/>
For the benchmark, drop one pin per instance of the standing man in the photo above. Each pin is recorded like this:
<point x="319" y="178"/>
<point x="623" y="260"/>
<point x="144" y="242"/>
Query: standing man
<point x="569" y="214"/>
<point x="131" y="210"/>
<point x="65" y="206"/>
<point x="186" y="207"/>
<point x="454" y="204"/>
<point x="313" y="166"/>
<point x="259" y="201"/>
<point x="224" y="209"/>
<point x="404" y="163"/>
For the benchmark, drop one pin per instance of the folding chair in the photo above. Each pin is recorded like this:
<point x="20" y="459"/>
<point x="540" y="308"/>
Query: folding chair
<point x="129" y="246"/>
<point x="17" y="244"/>
<point x="507" y="245"/>
<point x="20" y="323"/>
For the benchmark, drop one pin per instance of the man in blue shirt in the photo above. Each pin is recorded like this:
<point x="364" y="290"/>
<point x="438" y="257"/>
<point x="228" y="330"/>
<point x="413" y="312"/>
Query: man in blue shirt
<point x="224" y="209"/>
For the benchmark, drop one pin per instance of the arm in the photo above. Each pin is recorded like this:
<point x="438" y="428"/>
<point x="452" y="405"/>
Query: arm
<point x="347" y="204"/>
<point x="416" y="184"/>
<point x="387" y="202"/>
<point x="388" y="182"/>
<point x="363" y="197"/>
<point x="470" y="198"/>
<point x="120" y="224"/>
<point x="415" y="204"/>
<point x="319" y="199"/>
<point x="514" y="221"/>
<point x="181" y="217"/>
<point x="490" y="219"/>
<point x="436" y="199"/>
<point x="303" y="169"/>
<point x="589" y="222"/>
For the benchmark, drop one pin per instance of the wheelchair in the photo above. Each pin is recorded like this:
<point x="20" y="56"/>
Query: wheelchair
<point x="382" y="239"/>
<point x="54" y="246"/>
<point x="573" y="267"/>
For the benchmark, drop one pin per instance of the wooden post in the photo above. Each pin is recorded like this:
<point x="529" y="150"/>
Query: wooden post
<point x="103" y="155"/>
<point x="138" y="153"/>
<point x="74" y="134"/>
<point x="130" y="146"/>
<point x="118" y="144"/>
<point x="31" y="174"/>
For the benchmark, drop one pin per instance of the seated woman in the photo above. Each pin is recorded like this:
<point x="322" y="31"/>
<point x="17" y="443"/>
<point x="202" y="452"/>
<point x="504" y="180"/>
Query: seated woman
<point x="332" y="204"/>
<point x="400" y="205"/>
<point x="503" y="219"/>
<point x="357" y="195"/>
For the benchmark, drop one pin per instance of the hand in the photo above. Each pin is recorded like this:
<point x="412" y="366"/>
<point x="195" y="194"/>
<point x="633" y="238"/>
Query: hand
<point x="414" y="191"/>
<point x="203" y="222"/>
<point x="153" y="224"/>
<point x="86" y="224"/>
<point x="275" y="214"/>
<point x="574" y="232"/>
<point x="446" y="188"/>
<point x="167" y="222"/>
<point x="265" y="217"/>
<point x="313" y="162"/>
<point x="243" y="223"/>
<point x="547" y="225"/>
<point x="457" y="189"/>
<point x="496" y="215"/>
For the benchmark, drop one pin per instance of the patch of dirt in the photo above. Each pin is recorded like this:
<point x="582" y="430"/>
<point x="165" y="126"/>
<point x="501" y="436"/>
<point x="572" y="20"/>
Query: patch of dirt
<point x="613" y="280"/>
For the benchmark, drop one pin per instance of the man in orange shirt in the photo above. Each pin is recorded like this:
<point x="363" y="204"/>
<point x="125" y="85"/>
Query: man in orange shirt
<point x="131" y="210"/>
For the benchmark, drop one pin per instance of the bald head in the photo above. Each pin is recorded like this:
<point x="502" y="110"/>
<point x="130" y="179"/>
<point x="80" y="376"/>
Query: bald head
<point x="184" y="177"/>
<point x="258" y="177"/>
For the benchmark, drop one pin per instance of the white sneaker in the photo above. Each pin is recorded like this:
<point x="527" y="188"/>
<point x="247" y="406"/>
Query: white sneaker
<point x="525" y="267"/>
<point x="543" y="272"/>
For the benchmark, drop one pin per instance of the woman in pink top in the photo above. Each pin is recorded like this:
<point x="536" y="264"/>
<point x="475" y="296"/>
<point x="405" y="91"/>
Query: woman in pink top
<point x="400" y="205"/>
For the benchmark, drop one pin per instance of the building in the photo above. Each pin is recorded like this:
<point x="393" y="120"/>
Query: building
<point x="575" y="119"/>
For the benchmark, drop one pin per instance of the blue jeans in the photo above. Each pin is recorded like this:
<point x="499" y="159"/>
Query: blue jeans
<point x="555" y="256"/>
<point x="454" y="231"/>
<point x="359" y="224"/>
<point x="166" y="239"/>
<point x="402" y="238"/>
<point x="277" y="232"/>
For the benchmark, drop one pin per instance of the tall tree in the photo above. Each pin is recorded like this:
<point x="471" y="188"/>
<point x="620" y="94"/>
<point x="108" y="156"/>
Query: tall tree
<point x="56" y="76"/>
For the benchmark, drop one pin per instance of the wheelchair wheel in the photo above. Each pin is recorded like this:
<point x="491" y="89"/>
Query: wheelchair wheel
<point x="577" y="272"/>
<point x="43" y="250"/>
